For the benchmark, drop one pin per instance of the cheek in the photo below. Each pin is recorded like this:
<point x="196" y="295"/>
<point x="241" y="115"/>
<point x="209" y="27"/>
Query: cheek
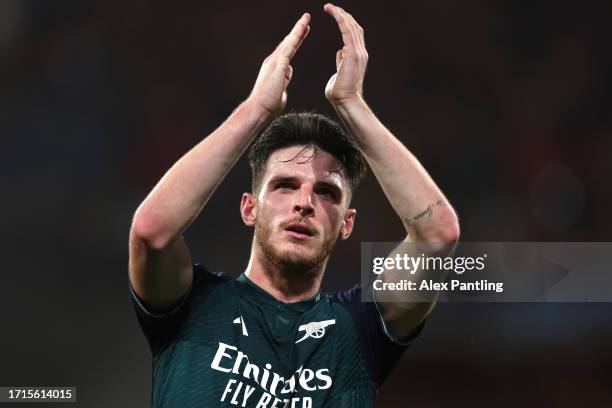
<point x="269" y="213"/>
<point x="332" y="220"/>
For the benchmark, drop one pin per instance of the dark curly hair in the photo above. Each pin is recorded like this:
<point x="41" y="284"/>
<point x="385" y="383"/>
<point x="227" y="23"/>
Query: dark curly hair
<point x="310" y="130"/>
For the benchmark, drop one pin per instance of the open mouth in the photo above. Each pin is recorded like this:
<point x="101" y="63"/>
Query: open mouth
<point x="300" y="230"/>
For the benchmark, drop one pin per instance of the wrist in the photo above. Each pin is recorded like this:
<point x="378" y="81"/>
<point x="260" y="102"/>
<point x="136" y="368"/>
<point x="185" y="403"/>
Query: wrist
<point x="349" y="104"/>
<point x="255" y="113"/>
<point x="350" y="107"/>
<point x="258" y="109"/>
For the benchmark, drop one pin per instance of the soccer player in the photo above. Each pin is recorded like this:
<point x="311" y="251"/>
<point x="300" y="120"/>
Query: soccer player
<point x="270" y="338"/>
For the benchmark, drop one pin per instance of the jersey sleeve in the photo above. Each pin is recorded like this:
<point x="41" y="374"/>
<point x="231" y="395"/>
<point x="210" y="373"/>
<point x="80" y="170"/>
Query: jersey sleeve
<point x="381" y="351"/>
<point x="160" y="326"/>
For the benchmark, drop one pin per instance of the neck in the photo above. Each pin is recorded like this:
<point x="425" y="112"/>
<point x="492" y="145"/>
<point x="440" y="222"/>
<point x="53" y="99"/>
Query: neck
<point x="284" y="285"/>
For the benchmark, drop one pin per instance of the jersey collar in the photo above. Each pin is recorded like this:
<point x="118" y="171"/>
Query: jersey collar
<point x="249" y="287"/>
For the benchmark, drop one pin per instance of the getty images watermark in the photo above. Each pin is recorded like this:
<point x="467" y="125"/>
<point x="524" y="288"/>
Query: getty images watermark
<point x="487" y="272"/>
<point x="422" y="264"/>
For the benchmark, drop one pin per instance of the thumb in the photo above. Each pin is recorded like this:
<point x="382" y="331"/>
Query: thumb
<point x="288" y="74"/>
<point x="329" y="87"/>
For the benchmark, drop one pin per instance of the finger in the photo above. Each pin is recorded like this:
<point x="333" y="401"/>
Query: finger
<point x="356" y="29"/>
<point x="343" y="24"/>
<point x="288" y="73"/>
<point x="359" y="51"/>
<point x="338" y="58"/>
<point x="291" y="43"/>
<point x="304" y="35"/>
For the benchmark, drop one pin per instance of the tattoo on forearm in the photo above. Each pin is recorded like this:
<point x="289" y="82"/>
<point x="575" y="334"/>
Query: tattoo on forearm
<point x="427" y="213"/>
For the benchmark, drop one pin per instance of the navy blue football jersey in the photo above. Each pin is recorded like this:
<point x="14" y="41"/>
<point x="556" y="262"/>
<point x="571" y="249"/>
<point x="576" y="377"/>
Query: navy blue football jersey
<point x="230" y="343"/>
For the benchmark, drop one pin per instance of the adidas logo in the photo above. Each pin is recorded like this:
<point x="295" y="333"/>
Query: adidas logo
<point x="240" y="320"/>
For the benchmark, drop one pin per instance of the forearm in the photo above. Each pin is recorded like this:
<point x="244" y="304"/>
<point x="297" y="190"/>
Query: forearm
<point x="182" y="192"/>
<point x="422" y="207"/>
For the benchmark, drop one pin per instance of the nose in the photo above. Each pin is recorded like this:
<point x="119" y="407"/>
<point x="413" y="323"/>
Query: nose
<point x="303" y="203"/>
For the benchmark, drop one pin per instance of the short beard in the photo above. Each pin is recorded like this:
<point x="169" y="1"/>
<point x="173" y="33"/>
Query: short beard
<point x="289" y="265"/>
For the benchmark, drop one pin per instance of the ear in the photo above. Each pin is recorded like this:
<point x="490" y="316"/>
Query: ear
<point x="347" y="224"/>
<point x="248" y="209"/>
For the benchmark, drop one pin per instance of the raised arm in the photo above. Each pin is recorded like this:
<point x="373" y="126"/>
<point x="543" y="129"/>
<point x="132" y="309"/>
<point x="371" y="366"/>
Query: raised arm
<point x="160" y="266"/>
<point x="424" y="211"/>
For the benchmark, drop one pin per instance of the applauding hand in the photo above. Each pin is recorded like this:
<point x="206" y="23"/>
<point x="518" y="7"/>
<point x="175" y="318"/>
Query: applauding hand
<point x="270" y="90"/>
<point x="346" y="84"/>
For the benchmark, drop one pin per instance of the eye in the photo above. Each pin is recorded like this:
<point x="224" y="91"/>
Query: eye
<point x="326" y="192"/>
<point x="285" y="185"/>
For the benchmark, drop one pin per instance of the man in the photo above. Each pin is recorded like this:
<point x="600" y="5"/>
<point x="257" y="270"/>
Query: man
<point x="269" y="338"/>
